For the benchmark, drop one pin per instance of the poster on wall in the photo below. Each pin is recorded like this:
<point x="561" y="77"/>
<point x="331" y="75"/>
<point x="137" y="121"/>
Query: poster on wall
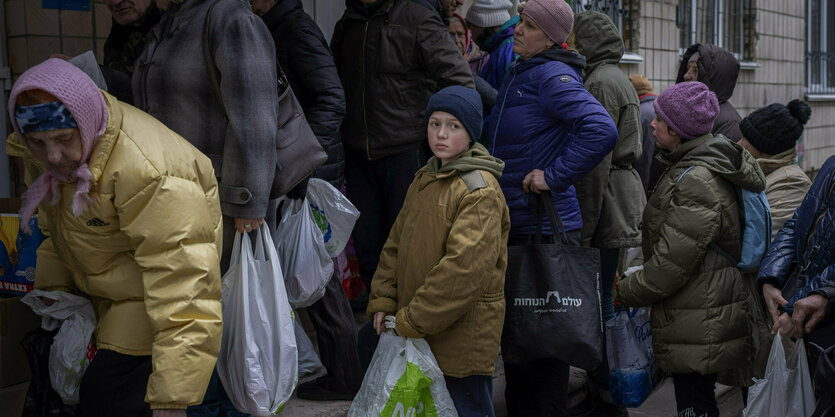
<point x="83" y="5"/>
<point x="17" y="254"/>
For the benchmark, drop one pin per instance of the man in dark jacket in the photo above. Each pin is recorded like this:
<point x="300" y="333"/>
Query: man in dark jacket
<point x="132" y="20"/>
<point x="392" y="55"/>
<point x="717" y="69"/>
<point x="305" y="58"/>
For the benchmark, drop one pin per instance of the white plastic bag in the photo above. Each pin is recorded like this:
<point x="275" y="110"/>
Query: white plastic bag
<point x="68" y="353"/>
<point x="786" y="390"/>
<point x="334" y="214"/>
<point x="258" y="363"/>
<point x="307" y="265"/>
<point x="403" y="379"/>
<point x="310" y="366"/>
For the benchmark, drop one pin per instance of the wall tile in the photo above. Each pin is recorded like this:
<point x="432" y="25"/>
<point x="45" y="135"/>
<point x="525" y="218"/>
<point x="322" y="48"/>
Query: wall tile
<point x="76" y="46"/>
<point x="18" y="54"/>
<point x="103" y="20"/>
<point x="40" y="21"/>
<point x="76" y="23"/>
<point x="40" y="48"/>
<point x="15" y="17"/>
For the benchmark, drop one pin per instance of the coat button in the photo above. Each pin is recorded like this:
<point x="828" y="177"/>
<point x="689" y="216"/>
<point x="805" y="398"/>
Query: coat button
<point x="244" y="195"/>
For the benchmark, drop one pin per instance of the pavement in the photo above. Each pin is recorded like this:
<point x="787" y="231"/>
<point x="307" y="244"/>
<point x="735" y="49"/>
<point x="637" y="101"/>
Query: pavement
<point x="661" y="403"/>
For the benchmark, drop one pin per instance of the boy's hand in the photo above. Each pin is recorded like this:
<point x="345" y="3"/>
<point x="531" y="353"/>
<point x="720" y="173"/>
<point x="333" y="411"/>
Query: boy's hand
<point x="378" y="322"/>
<point x="773" y="298"/>
<point x="535" y="182"/>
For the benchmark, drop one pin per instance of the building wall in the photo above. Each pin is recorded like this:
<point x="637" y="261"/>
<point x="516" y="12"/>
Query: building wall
<point x="35" y="33"/>
<point x="778" y="77"/>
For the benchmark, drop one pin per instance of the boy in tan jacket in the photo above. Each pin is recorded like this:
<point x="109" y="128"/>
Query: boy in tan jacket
<point x="442" y="268"/>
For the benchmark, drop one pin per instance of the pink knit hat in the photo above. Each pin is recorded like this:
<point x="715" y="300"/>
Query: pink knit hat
<point x="85" y="102"/>
<point x="554" y="17"/>
<point x="689" y="108"/>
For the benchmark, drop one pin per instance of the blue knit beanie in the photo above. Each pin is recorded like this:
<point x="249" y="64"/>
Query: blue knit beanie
<point x="463" y="103"/>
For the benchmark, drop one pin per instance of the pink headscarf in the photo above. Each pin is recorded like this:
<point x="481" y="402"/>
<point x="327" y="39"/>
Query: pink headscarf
<point x="86" y="104"/>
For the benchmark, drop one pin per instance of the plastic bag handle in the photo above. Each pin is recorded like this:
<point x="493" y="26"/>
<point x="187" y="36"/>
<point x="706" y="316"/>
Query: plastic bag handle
<point x="236" y="250"/>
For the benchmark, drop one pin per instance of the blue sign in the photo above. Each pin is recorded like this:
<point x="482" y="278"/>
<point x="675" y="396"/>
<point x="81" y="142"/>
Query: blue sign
<point x="66" y="4"/>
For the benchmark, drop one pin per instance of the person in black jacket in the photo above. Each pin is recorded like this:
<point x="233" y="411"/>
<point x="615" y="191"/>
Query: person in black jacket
<point x="132" y="20"/>
<point x="304" y="56"/>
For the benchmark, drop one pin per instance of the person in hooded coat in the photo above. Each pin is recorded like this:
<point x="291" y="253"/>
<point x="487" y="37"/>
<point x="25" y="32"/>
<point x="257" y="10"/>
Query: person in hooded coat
<point x="704" y="311"/>
<point x="718" y="69"/>
<point x="611" y="195"/>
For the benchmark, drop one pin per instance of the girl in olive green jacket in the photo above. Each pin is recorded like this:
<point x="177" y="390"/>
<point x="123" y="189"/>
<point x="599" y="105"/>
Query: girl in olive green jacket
<point x="704" y="312"/>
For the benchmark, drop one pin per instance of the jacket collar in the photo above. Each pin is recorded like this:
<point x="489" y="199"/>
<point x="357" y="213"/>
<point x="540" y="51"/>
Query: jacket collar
<point x="104" y="146"/>
<point x="571" y="58"/>
<point x="504" y="32"/>
<point x="280" y="12"/>
<point x="670" y="158"/>
<point x="177" y="15"/>
<point x="356" y="10"/>
<point x="769" y="165"/>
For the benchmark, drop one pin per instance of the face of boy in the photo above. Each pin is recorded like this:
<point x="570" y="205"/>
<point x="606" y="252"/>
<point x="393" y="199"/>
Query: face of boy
<point x="448" y="138"/>
<point x="664" y="137"/>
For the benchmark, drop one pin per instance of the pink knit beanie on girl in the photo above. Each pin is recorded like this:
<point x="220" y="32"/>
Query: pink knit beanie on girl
<point x="85" y="102"/>
<point x="689" y="108"/>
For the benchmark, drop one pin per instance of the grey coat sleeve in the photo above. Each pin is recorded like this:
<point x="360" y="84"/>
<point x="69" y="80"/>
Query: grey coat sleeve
<point x="245" y="59"/>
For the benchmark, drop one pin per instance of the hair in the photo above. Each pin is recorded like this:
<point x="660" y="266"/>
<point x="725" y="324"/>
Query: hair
<point x="33" y="97"/>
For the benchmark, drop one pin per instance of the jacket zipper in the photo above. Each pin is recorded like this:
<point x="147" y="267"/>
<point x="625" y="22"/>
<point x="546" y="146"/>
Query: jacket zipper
<point x="499" y="119"/>
<point x="364" y="111"/>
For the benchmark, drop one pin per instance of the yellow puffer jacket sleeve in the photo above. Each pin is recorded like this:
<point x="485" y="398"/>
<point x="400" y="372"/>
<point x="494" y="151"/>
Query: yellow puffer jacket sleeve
<point x="181" y="280"/>
<point x="52" y="275"/>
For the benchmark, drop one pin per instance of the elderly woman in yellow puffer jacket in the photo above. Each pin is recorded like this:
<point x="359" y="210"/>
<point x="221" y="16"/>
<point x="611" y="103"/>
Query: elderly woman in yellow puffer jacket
<point x="133" y="221"/>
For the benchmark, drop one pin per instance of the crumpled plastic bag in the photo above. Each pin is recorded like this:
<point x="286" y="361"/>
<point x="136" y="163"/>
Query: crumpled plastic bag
<point x="402" y="379"/>
<point x="75" y="320"/>
<point x="306" y="264"/>
<point x="786" y="390"/>
<point x="333" y="213"/>
<point x="633" y="374"/>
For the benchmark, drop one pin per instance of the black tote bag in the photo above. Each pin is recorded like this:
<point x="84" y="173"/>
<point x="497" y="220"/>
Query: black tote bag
<point x="552" y="293"/>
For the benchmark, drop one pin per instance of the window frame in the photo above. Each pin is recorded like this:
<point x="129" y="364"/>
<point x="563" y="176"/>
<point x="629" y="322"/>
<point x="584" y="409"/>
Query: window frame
<point x="746" y="58"/>
<point x="620" y="15"/>
<point x="821" y="90"/>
